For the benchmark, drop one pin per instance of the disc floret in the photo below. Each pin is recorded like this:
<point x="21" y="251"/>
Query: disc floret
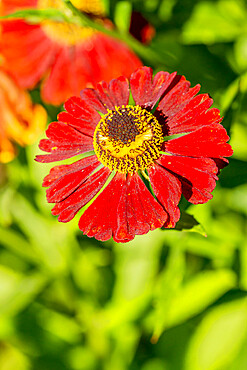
<point x="128" y="139"/>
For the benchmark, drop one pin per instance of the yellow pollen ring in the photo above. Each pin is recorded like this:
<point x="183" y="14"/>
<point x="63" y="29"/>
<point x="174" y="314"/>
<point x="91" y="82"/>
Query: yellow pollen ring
<point x="128" y="139"/>
<point x="61" y="32"/>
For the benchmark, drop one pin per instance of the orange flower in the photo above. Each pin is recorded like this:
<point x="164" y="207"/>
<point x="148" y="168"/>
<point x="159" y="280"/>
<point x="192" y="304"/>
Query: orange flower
<point x="65" y="56"/>
<point x="20" y="120"/>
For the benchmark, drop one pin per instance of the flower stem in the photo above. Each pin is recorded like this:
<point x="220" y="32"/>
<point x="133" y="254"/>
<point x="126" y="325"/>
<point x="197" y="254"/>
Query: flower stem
<point x="147" y="53"/>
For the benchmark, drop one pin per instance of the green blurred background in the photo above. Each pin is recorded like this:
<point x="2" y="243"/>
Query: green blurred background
<point x="169" y="300"/>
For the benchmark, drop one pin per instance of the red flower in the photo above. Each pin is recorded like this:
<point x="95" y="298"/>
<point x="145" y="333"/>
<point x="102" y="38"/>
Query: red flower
<point x="67" y="57"/>
<point x="150" y="172"/>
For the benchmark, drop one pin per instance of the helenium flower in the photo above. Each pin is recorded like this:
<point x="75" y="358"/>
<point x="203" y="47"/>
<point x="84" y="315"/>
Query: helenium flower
<point x="166" y="144"/>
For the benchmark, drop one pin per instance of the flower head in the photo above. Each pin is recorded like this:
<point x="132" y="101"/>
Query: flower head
<point x="20" y="120"/>
<point x="145" y="156"/>
<point x="65" y="56"/>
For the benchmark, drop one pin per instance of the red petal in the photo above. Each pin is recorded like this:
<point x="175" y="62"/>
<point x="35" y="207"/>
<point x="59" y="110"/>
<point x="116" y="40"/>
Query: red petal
<point x="123" y="209"/>
<point x="12" y="5"/>
<point x="85" y="117"/>
<point x="100" y="219"/>
<point x="197" y="176"/>
<point x="91" y="97"/>
<point x="84" y="126"/>
<point x="76" y="107"/>
<point x="67" y="184"/>
<point x="195" y="121"/>
<point x="145" y="92"/>
<point x="59" y="132"/>
<point x="61" y="153"/>
<point x="119" y="89"/>
<point x="144" y="212"/>
<point x="27" y="51"/>
<point x="178" y="97"/>
<point x="64" y="142"/>
<point x="167" y="189"/>
<point x="63" y="180"/>
<point x="71" y="71"/>
<point x="194" y="115"/>
<point x="138" y="219"/>
<point x="208" y="141"/>
<point x="122" y="232"/>
<point x="58" y="171"/>
<point x="68" y="208"/>
<point x="59" y="84"/>
<point x="108" y="58"/>
<point x="106" y="96"/>
<point x="80" y="115"/>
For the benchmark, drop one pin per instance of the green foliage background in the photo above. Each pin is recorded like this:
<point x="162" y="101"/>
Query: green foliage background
<point x="169" y="300"/>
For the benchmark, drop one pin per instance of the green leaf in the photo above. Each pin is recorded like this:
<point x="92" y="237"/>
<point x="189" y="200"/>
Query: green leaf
<point x="219" y="338"/>
<point x="213" y="22"/>
<point x="135" y="267"/>
<point x="54" y="321"/>
<point x="17" y="291"/>
<point x="243" y="265"/>
<point x="45" y="235"/>
<point x="240" y="52"/>
<point x="16" y="243"/>
<point x="230" y="95"/>
<point x="235" y="174"/>
<point x="198" y="293"/>
<point x="169" y="283"/>
<point x="12" y="358"/>
<point x="106" y="6"/>
<point x="188" y="222"/>
<point x="166" y="9"/>
<point x="122" y="16"/>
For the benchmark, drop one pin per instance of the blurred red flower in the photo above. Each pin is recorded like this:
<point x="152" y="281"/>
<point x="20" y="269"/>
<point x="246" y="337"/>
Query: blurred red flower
<point x="20" y="120"/>
<point x="151" y="171"/>
<point x="64" y="56"/>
